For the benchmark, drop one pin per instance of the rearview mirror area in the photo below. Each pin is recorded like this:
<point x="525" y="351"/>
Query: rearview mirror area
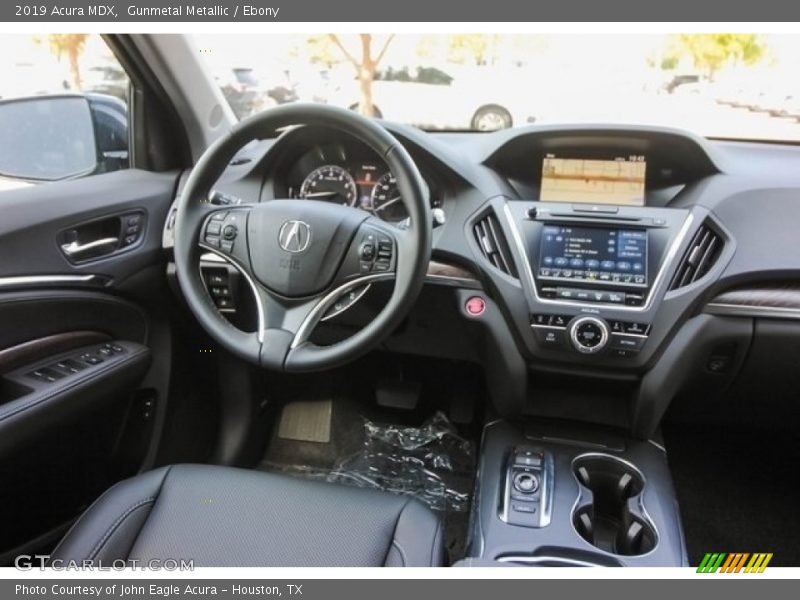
<point x="47" y="138"/>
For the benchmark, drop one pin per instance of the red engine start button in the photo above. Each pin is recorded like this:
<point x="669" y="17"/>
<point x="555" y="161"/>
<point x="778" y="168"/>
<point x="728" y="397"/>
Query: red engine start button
<point x="475" y="306"/>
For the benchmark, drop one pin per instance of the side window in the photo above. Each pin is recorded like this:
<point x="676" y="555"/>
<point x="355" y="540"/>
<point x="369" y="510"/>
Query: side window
<point x="63" y="109"/>
<point x="433" y="76"/>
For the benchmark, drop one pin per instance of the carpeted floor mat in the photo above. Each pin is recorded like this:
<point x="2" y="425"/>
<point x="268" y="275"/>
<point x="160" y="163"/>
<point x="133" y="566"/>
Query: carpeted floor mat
<point x="306" y="421"/>
<point x="737" y="491"/>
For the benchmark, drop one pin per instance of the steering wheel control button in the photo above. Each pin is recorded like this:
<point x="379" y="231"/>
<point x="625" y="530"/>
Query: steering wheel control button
<point x="213" y="228"/>
<point x="383" y="258"/>
<point x="589" y="335"/>
<point x="475" y="306"/>
<point x="367" y="251"/>
<point x="229" y="232"/>
<point x="526" y="483"/>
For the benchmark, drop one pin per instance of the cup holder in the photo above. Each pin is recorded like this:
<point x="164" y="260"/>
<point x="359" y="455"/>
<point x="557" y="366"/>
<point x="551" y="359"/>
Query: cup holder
<point x="609" y="513"/>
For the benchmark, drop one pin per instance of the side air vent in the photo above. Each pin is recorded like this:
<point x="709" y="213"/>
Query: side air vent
<point x="493" y="244"/>
<point x="703" y="252"/>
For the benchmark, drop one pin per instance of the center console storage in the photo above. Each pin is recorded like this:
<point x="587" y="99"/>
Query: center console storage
<point x="610" y="513"/>
<point x="551" y="497"/>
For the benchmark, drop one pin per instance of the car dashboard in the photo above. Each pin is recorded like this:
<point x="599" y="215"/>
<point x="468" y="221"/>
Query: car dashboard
<point x="590" y="251"/>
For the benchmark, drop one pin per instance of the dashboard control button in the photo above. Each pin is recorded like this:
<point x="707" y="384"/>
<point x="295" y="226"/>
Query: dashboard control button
<point x="616" y="297"/>
<point x="589" y="335"/>
<point x="634" y="299"/>
<point x="553" y="338"/>
<point x="540" y="319"/>
<point x="475" y="306"/>
<point x="636" y="328"/>
<point x="617" y="326"/>
<point x="558" y="321"/>
<point x="566" y="293"/>
<point x="627" y="342"/>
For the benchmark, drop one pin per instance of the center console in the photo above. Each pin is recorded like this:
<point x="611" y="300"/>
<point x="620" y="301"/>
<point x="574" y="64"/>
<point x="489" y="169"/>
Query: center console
<point x="572" y="498"/>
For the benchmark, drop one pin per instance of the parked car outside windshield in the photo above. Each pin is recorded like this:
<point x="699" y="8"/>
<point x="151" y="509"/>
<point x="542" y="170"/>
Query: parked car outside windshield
<point x="744" y="89"/>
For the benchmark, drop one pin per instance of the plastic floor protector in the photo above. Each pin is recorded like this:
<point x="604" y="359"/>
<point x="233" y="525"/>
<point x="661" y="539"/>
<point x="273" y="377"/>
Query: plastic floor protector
<point x="431" y="463"/>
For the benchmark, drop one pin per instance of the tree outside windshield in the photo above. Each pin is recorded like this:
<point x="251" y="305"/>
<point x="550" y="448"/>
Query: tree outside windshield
<point x="742" y="86"/>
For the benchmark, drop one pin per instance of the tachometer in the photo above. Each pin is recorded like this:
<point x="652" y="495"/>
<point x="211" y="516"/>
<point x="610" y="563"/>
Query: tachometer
<point x="331" y="183"/>
<point x="386" y="200"/>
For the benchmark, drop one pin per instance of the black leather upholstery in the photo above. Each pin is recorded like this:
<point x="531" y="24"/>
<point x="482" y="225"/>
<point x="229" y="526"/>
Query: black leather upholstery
<point x="221" y="516"/>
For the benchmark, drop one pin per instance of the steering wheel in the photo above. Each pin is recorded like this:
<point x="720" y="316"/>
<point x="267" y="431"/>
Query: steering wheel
<point x="300" y="256"/>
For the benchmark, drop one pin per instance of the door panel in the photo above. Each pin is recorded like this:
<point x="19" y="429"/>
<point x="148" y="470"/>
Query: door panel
<point x="35" y="220"/>
<point x="84" y="346"/>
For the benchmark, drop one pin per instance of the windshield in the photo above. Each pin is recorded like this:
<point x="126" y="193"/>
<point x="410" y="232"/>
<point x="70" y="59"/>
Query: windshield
<point x="742" y="86"/>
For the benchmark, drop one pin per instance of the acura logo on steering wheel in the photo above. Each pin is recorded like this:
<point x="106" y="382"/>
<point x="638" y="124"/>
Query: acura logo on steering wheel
<point x="294" y="236"/>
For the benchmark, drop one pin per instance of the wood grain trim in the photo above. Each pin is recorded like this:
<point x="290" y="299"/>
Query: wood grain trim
<point x="450" y="271"/>
<point x="14" y="357"/>
<point x="783" y="296"/>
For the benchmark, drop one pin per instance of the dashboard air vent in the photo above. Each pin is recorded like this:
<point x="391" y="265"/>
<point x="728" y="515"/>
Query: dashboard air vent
<point x="700" y="256"/>
<point x="493" y="244"/>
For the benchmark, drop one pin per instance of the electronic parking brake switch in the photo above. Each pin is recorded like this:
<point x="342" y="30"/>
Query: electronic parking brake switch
<point x="527" y="488"/>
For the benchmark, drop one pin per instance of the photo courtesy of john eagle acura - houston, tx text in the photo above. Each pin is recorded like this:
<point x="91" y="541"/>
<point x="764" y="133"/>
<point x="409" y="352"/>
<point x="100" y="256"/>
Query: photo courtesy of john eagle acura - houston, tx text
<point x="410" y="300"/>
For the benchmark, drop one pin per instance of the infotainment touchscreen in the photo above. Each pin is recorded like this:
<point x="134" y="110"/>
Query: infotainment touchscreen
<point x="612" y="180"/>
<point x="593" y="254"/>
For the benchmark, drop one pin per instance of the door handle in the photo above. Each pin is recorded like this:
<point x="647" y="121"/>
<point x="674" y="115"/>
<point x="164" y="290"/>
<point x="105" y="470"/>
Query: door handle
<point x="75" y="250"/>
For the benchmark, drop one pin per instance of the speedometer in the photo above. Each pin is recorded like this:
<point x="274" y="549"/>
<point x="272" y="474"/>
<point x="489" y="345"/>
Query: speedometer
<point x="386" y="200"/>
<point x="331" y="183"/>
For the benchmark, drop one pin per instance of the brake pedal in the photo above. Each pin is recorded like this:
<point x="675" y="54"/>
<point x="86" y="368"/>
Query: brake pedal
<point x="400" y="394"/>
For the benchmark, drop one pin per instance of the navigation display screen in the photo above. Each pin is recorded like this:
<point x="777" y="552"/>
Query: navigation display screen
<point x="617" y="180"/>
<point x="593" y="254"/>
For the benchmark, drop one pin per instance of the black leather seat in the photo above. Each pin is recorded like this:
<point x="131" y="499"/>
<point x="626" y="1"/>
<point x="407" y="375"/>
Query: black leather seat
<point x="221" y="516"/>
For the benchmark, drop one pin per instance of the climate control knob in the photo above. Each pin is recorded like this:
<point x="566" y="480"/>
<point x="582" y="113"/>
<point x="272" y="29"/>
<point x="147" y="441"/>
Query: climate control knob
<point x="589" y="335"/>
